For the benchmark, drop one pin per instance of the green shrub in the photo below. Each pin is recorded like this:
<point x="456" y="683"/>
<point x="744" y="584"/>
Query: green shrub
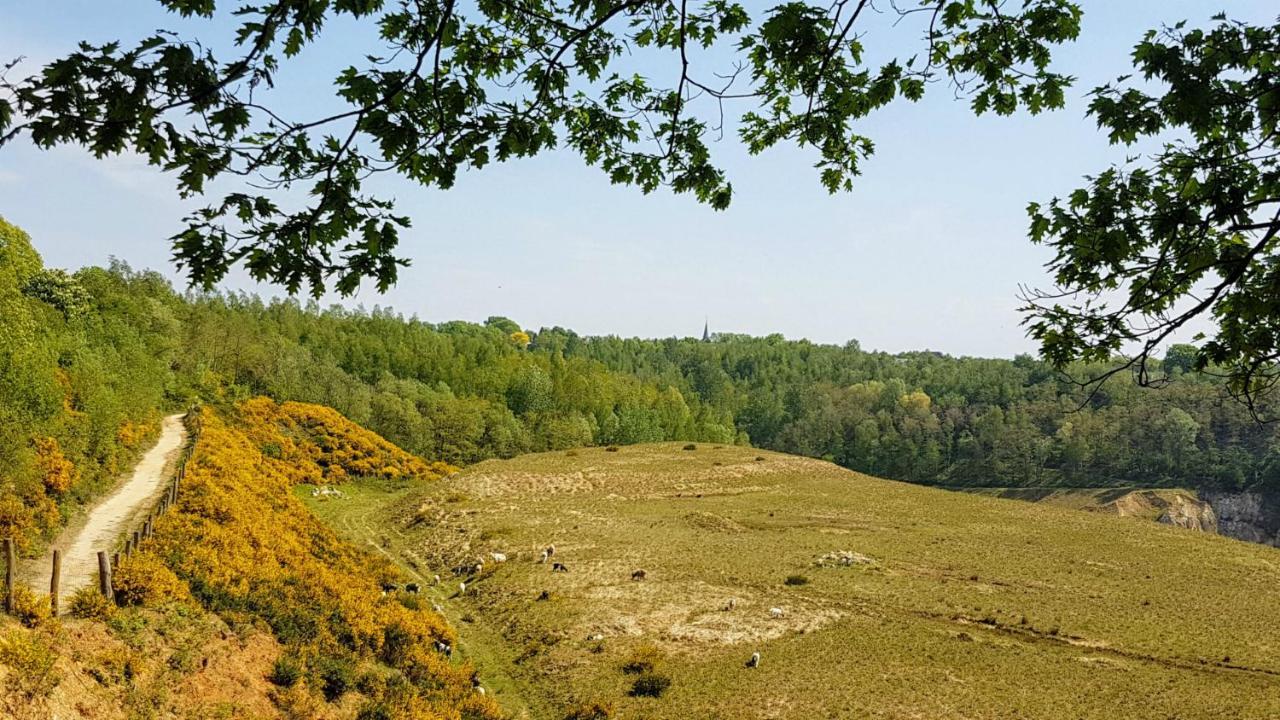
<point x="643" y="659"/>
<point x="591" y="711"/>
<point x="796" y="580"/>
<point x="650" y="684"/>
<point x="376" y="710"/>
<point x="286" y="672"/>
<point x="336" y="676"/>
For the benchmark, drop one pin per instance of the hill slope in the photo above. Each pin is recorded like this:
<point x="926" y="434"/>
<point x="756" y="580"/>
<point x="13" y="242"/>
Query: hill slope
<point x="954" y="605"/>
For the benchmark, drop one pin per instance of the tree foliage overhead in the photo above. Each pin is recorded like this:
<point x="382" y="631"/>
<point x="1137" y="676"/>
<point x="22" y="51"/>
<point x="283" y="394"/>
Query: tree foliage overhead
<point x="1147" y="247"/>
<point x="459" y="85"/>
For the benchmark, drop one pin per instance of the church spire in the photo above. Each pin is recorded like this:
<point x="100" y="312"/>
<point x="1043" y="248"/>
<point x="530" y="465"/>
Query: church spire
<point x="706" y="331"/>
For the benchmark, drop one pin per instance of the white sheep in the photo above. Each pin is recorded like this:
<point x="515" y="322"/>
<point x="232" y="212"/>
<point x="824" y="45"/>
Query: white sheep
<point x="596" y="637"/>
<point x="754" y="661"/>
<point x="498" y="557"/>
<point x="479" y="689"/>
<point x="462" y="588"/>
<point x="543" y="557"/>
<point x="775" y="613"/>
<point x="436" y="578"/>
<point x="729" y="606"/>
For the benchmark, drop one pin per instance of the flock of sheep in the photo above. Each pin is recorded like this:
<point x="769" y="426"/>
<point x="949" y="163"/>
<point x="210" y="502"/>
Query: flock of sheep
<point x="473" y="569"/>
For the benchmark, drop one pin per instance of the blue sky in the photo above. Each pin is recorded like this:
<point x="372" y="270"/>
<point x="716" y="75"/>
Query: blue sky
<point x="926" y="253"/>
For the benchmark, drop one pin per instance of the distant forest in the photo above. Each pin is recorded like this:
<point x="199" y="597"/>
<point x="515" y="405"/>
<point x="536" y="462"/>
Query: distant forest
<point x="89" y="360"/>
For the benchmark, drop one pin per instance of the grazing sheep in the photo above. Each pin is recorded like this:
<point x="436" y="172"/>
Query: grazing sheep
<point x="551" y="550"/>
<point x="559" y="567"/>
<point x="754" y="661"/>
<point x="498" y="557"/>
<point x="462" y="588"/>
<point x="595" y="637"/>
<point x="775" y="613"/>
<point x="729" y="606"/>
<point x="638" y="575"/>
<point x="436" y="579"/>
<point x="436" y="606"/>
<point x="389" y="588"/>
<point x="544" y="595"/>
<point x="479" y="689"/>
<point x="412" y="588"/>
<point x="478" y="568"/>
<point x="543" y="557"/>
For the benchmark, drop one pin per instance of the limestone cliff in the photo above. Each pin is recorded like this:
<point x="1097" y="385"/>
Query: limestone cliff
<point x="1251" y="516"/>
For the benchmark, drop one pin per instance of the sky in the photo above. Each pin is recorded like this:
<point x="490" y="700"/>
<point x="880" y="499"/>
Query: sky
<point x="926" y="252"/>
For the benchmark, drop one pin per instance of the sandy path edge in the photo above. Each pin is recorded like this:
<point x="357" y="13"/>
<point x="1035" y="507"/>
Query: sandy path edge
<point x="106" y="520"/>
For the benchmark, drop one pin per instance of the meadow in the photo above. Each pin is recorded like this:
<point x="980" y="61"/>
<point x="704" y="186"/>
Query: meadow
<point x="951" y="605"/>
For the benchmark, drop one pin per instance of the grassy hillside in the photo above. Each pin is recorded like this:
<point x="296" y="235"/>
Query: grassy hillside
<point x="956" y="606"/>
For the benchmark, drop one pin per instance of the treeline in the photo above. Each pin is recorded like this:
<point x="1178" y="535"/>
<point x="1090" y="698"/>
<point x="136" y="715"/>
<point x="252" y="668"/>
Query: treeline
<point x="89" y="361"/>
<point x="931" y="418"/>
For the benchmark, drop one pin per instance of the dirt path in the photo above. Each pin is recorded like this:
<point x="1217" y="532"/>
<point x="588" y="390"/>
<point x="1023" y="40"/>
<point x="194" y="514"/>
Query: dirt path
<point x="110" y="517"/>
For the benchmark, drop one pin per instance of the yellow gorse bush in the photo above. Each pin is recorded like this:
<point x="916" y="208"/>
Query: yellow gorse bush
<point x="144" y="579"/>
<point x="55" y="469"/>
<point x="243" y="543"/>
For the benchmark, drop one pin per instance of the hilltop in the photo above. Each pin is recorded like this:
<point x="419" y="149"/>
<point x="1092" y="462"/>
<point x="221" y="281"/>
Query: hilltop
<point x="952" y="604"/>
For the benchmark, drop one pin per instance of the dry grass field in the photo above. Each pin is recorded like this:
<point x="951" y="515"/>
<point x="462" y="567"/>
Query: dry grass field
<point x="952" y="606"/>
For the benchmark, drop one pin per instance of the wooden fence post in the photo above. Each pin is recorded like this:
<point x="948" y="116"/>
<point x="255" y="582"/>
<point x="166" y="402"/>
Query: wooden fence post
<point x="104" y="576"/>
<point x="115" y="560"/>
<point x="54" y="581"/>
<point x="10" y="561"/>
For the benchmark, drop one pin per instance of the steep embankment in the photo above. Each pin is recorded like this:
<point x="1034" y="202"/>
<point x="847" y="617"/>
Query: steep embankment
<point x="948" y="605"/>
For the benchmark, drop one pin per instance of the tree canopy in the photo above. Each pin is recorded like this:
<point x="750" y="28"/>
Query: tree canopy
<point x="457" y="86"/>
<point x="1188" y="232"/>
<point x="643" y="89"/>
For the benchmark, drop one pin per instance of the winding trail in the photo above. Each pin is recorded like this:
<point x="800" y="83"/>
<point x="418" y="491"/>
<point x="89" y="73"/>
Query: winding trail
<point x="123" y="509"/>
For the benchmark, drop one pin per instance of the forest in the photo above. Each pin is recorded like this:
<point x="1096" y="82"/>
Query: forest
<point x="89" y="360"/>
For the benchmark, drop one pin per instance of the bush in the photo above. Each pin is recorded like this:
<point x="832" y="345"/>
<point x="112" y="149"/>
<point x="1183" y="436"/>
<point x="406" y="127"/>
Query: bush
<point x="591" y="711"/>
<point x="142" y="579"/>
<point x="88" y="603"/>
<point x="643" y="659"/>
<point x="796" y="580"/>
<point x="336" y="675"/>
<point x="690" y="446"/>
<point x="30" y="609"/>
<point x="31" y="663"/>
<point x="611" y="448"/>
<point x="286" y="671"/>
<point x="650" y="684"/>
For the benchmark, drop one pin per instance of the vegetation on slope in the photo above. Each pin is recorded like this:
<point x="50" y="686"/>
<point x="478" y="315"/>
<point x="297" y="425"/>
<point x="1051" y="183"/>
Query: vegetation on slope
<point x="246" y="548"/>
<point x="84" y="368"/>
<point x="242" y="604"/>
<point x="951" y="605"/>
<point x="89" y="361"/>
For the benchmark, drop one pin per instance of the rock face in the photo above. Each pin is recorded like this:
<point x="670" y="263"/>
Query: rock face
<point x="1171" y="507"/>
<point x="1251" y="516"/>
